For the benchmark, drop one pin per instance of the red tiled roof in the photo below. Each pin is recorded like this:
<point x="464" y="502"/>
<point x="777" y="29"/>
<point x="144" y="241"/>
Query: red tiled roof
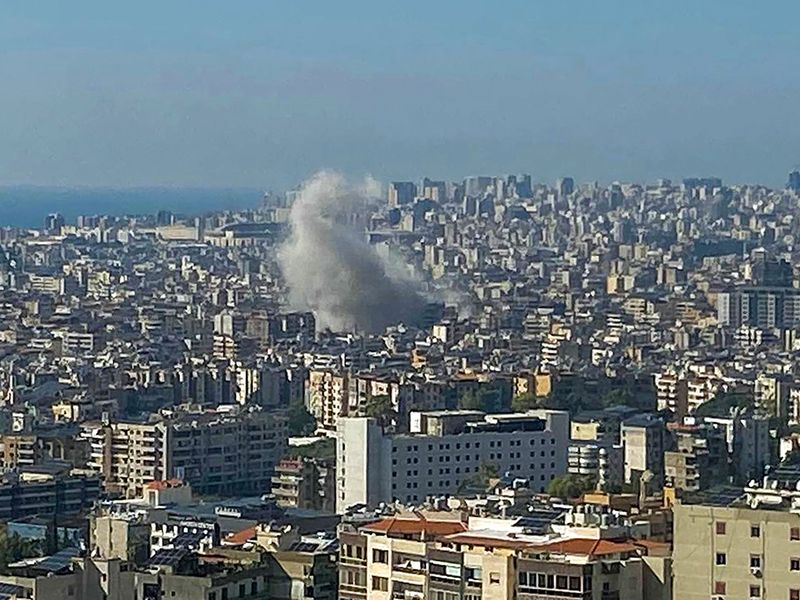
<point x="418" y="525"/>
<point x="493" y="542"/>
<point x="585" y="546"/>
<point x="163" y="484"/>
<point x="589" y="547"/>
<point x="240" y="537"/>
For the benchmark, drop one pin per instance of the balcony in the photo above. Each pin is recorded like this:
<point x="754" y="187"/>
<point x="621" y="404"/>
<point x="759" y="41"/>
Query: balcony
<point x="352" y="560"/>
<point x="345" y="588"/>
<point x="408" y="595"/>
<point x="414" y="567"/>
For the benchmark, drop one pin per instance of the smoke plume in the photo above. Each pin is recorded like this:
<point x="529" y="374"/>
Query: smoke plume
<point x="330" y="267"/>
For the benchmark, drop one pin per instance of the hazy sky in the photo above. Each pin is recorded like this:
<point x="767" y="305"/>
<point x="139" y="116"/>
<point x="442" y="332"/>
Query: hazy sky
<point x="263" y="92"/>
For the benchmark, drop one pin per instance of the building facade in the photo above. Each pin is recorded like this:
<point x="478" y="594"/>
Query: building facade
<point x="375" y="467"/>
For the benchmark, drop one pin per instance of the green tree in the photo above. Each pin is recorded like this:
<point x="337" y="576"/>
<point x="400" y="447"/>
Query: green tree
<point x="490" y="399"/>
<point x="570" y="486"/>
<point x="301" y="422"/>
<point x="469" y="400"/>
<point x="380" y="407"/>
<point x="324" y="448"/>
<point x="480" y="480"/>
<point x="723" y="404"/>
<point x="13" y="548"/>
<point x="524" y="402"/>
<point x="617" y="397"/>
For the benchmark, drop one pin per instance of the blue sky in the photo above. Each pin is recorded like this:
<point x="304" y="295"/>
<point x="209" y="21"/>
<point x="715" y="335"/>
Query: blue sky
<point x="262" y="93"/>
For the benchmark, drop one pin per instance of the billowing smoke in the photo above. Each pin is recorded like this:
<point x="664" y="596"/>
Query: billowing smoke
<point x="330" y="267"/>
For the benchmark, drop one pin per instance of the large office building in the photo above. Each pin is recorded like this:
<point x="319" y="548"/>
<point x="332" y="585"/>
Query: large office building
<point x="445" y="451"/>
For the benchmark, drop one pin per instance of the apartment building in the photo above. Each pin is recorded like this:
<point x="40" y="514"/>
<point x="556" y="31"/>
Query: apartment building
<point x="448" y="556"/>
<point x="672" y="392"/>
<point x="740" y="543"/>
<point x="445" y="451"/>
<point x="326" y="396"/>
<point x="699" y="459"/>
<point x="643" y="438"/>
<point x="599" y="461"/>
<point x="55" y="494"/>
<point x="747" y="437"/>
<point x="224" y="451"/>
<point x="307" y="483"/>
<point x="774" y="394"/>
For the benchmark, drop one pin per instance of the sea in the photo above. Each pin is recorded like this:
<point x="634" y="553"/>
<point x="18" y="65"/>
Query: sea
<point x="28" y="206"/>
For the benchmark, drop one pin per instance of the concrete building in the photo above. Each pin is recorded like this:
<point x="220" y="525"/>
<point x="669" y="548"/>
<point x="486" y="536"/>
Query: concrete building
<point x="643" y="440"/>
<point x="699" y="459"/>
<point x="747" y="437"/>
<point x="219" y="452"/>
<point x="326" y="396"/>
<point x="773" y="394"/>
<point x="446" y="555"/>
<point x="743" y="544"/>
<point x="602" y="462"/>
<point x="305" y="483"/>
<point x="55" y="494"/>
<point x="444" y="451"/>
<point x="401" y="193"/>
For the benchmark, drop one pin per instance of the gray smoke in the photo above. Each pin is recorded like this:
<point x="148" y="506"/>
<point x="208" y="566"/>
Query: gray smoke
<point x="330" y="267"/>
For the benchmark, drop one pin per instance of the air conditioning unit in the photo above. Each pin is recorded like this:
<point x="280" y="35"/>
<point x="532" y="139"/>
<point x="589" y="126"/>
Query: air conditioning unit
<point x="755" y="571"/>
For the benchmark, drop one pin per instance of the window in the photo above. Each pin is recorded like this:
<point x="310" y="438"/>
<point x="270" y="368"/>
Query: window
<point x="242" y="590"/>
<point x="719" y="588"/>
<point x="380" y="556"/>
<point x="794" y="564"/>
<point x="722" y="558"/>
<point x="755" y="531"/>
<point x="794" y="594"/>
<point x="720" y="527"/>
<point x="794" y="534"/>
<point x="755" y="561"/>
<point x="380" y="584"/>
<point x="755" y="591"/>
<point x="494" y="577"/>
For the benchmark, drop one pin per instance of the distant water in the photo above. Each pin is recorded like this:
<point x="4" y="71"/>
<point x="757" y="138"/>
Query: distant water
<point x="27" y="206"/>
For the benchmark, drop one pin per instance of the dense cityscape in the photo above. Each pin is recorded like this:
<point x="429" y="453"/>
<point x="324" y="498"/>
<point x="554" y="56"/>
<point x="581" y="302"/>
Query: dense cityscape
<point x="494" y="388"/>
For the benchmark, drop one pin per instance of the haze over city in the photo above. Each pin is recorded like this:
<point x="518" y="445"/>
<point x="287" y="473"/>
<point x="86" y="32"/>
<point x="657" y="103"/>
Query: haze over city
<point x="263" y="94"/>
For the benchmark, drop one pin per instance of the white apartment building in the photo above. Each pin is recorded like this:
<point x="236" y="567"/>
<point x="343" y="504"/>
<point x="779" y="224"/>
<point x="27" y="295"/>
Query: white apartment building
<point x="444" y="451"/>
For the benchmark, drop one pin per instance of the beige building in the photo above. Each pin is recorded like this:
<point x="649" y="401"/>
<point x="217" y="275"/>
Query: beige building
<point x="305" y="483"/>
<point x="19" y="450"/>
<point x="447" y="556"/>
<point x="740" y="545"/>
<point x="217" y="452"/>
<point x="326" y="396"/>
